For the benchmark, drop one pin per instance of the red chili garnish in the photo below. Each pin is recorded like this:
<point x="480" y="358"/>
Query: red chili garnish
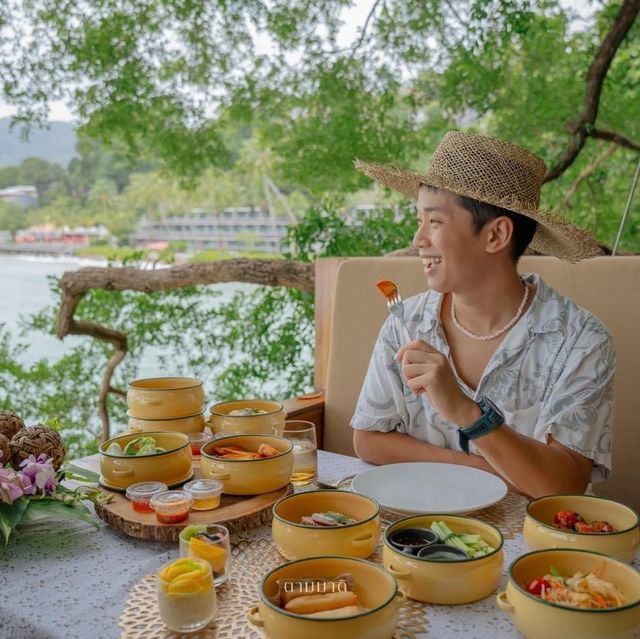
<point x="174" y="518"/>
<point x="141" y="506"/>
<point x="536" y="586"/>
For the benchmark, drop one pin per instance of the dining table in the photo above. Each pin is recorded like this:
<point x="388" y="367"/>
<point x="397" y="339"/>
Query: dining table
<point x="64" y="579"/>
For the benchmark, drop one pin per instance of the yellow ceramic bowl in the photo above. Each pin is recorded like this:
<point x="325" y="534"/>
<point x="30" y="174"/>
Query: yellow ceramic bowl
<point x="298" y="541"/>
<point x="539" y="531"/>
<point x="165" y="397"/>
<point x="538" y="619"/>
<point x="188" y="425"/>
<point x="224" y="424"/>
<point x="172" y="467"/>
<point x="375" y="587"/>
<point x="446" y="582"/>
<point x="248" y="476"/>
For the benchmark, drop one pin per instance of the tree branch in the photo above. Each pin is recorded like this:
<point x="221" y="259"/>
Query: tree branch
<point x="75" y="284"/>
<point x="612" y="136"/>
<point x="584" y="174"/>
<point x="365" y="26"/>
<point x="583" y="127"/>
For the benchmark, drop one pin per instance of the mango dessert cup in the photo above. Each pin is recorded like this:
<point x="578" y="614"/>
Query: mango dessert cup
<point x="186" y="595"/>
<point x="210" y="543"/>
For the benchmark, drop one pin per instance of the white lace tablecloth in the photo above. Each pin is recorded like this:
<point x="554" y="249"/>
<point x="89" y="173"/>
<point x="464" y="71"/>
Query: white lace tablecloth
<point x="65" y="579"/>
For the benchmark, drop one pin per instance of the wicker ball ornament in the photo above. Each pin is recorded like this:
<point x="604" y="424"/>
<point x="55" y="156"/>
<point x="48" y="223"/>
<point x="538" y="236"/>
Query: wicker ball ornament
<point x="5" y="450"/>
<point x="10" y="423"/>
<point x="36" y="440"/>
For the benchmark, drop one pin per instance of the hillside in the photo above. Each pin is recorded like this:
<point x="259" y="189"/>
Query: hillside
<point x="55" y="144"/>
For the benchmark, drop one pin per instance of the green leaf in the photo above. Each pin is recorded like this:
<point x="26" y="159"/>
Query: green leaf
<point x="10" y="515"/>
<point x="48" y="507"/>
<point x="555" y="572"/>
<point x="80" y="474"/>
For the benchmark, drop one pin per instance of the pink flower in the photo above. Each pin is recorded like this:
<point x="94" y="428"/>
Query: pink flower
<point x="38" y="474"/>
<point x="10" y="486"/>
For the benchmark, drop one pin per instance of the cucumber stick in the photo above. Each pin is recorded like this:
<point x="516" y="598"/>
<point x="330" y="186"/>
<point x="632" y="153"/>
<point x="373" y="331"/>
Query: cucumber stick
<point x="473" y="545"/>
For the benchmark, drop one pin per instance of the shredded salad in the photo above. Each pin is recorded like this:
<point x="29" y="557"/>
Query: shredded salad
<point x="583" y="590"/>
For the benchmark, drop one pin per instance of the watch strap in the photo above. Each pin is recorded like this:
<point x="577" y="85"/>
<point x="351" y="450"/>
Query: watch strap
<point x="491" y="418"/>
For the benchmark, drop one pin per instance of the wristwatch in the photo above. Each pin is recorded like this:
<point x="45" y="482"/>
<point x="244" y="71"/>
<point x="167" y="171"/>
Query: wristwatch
<point x="491" y="419"/>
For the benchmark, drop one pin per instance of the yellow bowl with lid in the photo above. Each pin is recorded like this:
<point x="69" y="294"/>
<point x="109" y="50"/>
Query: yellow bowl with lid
<point x="539" y="619"/>
<point x="173" y="466"/>
<point x="295" y="540"/>
<point x="539" y="531"/>
<point x="446" y="582"/>
<point x="165" y="397"/>
<point x="189" y="424"/>
<point x="376" y="589"/>
<point x="223" y="422"/>
<point x="248" y="476"/>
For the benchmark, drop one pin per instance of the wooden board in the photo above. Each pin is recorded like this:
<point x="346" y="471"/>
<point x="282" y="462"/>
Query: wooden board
<point x="236" y="513"/>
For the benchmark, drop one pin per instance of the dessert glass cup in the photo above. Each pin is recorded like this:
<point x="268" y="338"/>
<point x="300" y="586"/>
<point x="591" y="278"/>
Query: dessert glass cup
<point x="213" y="547"/>
<point x="302" y="435"/>
<point x="187" y="605"/>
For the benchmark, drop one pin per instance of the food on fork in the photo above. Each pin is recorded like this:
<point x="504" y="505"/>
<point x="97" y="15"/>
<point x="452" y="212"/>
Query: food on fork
<point x="387" y="288"/>
<point x="328" y="518"/>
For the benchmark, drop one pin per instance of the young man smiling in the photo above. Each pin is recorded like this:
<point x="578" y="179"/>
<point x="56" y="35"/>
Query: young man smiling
<point x="503" y="373"/>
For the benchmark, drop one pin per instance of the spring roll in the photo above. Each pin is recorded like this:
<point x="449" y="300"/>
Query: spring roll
<point x="336" y="613"/>
<point x="317" y="603"/>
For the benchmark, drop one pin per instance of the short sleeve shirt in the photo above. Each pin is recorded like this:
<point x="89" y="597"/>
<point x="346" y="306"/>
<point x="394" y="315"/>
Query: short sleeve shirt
<point x="551" y="375"/>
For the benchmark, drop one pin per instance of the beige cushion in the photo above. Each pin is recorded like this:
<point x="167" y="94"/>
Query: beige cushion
<point x="607" y="286"/>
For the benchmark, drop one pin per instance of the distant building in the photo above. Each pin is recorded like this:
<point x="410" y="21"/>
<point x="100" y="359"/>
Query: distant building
<point x="24" y="196"/>
<point x="234" y="229"/>
<point x="48" y="233"/>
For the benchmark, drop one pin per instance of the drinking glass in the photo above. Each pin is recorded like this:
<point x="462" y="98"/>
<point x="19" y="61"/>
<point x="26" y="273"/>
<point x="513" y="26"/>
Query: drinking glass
<point x="187" y="604"/>
<point x="302" y="435"/>
<point x="212" y="545"/>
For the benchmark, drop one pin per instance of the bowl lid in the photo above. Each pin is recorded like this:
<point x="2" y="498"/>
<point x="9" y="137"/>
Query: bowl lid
<point x="145" y="489"/>
<point x="203" y="488"/>
<point x="171" y="500"/>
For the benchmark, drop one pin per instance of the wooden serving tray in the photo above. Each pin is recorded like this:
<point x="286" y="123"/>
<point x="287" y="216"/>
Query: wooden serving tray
<point x="236" y="513"/>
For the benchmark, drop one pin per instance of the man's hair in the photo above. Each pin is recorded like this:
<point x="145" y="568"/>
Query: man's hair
<point x="524" y="227"/>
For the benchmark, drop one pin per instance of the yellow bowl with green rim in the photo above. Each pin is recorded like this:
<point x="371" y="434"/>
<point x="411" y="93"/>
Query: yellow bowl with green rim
<point x="173" y="466"/>
<point x="446" y="582"/>
<point x="295" y="540"/>
<point x="248" y="476"/>
<point x="539" y="532"/>
<point x="376" y="589"/>
<point x="539" y="619"/>
<point x="165" y="397"/>
<point x="222" y="423"/>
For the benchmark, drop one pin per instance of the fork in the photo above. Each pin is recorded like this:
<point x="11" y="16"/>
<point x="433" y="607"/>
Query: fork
<point x="395" y="306"/>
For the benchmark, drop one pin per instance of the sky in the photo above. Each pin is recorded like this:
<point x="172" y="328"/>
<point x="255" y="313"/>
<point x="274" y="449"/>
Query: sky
<point x="353" y="18"/>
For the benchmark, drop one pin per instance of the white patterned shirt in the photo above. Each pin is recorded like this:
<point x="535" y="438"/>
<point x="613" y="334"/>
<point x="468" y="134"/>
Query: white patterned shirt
<point x="551" y="375"/>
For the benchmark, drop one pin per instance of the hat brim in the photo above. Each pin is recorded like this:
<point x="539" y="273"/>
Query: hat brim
<point x="554" y="235"/>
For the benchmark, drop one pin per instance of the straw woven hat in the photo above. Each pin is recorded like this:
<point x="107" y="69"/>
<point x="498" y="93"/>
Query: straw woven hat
<point x="497" y="173"/>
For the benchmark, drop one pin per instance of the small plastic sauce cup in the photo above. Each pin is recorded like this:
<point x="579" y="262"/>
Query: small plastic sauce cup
<point x="205" y="492"/>
<point x="172" y="506"/>
<point x="140" y="494"/>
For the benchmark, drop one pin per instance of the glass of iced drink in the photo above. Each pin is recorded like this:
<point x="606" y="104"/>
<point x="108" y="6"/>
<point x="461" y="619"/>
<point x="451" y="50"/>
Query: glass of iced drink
<point x="302" y="435"/>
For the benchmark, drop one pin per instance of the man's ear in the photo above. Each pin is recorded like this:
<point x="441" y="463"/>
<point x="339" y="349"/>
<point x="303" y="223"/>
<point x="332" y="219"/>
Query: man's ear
<point x="499" y="234"/>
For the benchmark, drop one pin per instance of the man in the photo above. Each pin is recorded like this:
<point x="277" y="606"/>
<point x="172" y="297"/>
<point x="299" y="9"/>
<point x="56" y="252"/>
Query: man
<point x="503" y="373"/>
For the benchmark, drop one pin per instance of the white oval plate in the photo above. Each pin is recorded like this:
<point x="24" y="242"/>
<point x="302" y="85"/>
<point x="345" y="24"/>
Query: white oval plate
<point x="426" y="487"/>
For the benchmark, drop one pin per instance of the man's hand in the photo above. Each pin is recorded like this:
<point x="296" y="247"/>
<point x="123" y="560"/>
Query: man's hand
<point x="428" y="371"/>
